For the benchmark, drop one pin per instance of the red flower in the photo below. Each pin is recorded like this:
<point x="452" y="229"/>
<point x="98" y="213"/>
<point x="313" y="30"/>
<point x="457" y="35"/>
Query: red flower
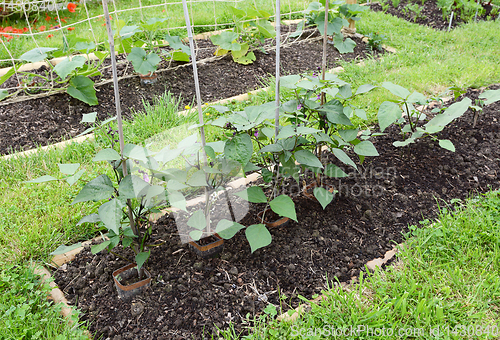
<point x="8" y="29"/>
<point x="71" y="7"/>
<point x="64" y="21"/>
<point x="47" y="18"/>
<point x="50" y="36"/>
<point x="42" y="28"/>
<point x="71" y="28"/>
<point x="25" y="29"/>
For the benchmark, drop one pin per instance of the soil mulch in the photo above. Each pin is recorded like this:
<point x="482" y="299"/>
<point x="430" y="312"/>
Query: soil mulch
<point x="431" y="15"/>
<point x="190" y="297"/>
<point x="47" y="120"/>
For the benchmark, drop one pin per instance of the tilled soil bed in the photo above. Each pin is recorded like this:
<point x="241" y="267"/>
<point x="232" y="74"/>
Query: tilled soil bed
<point x="190" y="297"/>
<point x="47" y="120"/>
<point x="429" y="13"/>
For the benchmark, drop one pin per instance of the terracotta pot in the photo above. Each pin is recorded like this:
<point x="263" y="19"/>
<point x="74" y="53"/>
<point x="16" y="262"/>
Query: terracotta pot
<point x="280" y="222"/>
<point x="308" y="190"/>
<point x="147" y="79"/>
<point x="208" y="250"/>
<point x="129" y="291"/>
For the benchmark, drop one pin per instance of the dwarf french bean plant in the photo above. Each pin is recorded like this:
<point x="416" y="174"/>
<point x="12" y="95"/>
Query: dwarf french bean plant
<point x="309" y="124"/>
<point x="408" y="111"/>
<point x="251" y="28"/>
<point x="327" y="107"/>
<point x="124" y="201"/>
<point x="142" y="44"/>
<point x="338" y="14"/>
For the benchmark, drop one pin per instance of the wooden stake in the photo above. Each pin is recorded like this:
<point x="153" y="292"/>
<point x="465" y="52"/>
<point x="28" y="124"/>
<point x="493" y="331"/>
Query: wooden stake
<point x="352" y="23"/>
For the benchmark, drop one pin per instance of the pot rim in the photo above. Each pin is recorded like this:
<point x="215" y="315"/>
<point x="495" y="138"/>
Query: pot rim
<point x="134" y="285"/>
<point x="279" y="222"/>
<point x="207" y="247"/>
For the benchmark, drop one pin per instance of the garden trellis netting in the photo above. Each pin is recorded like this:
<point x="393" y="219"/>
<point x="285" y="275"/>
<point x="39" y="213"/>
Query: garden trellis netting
<point x="73" y="36"/>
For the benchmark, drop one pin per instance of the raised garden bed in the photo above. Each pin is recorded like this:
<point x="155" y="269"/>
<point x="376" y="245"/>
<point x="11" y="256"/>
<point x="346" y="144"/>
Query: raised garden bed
<point x="190" y="295"/>
<point x="429" y="14"/>
<point x="47" y="120"/>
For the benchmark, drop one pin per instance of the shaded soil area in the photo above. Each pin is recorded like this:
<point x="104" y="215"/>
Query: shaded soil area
<point x="47" y="120"/>
<point x="428" y="13"/>
<point x="190" y="297"/>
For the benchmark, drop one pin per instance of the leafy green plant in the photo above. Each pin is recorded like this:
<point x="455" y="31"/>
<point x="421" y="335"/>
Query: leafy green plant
<point x="338" y="14"/>
<point x="486" y="98"/>
<point x="123" y="204"/>
<point x="446" y="7"/>
<point x="72" y="73"/>
<point x="325" y="108"/>
<point x="376" y="41"/>
<point x="466" y="8"/>
<point x="143" y="46"/>
<point x="408" y="110"/>
<point x="251" y="28"/>
<point x="414" y="11"/>
<point x="311" y="123"/>
<point x="385" y="5"/>
<point x="395" y="3"/>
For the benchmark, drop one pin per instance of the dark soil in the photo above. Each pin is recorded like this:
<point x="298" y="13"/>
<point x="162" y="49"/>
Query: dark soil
<point x="190" y="297"/>
<point x="430" y="14"/>
<point x="47" y="120"/>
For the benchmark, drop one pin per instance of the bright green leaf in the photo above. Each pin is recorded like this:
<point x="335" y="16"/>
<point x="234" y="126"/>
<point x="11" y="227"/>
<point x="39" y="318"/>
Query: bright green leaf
<point x="97" y="189"/>
<point x="62" y="249"/>
<point x="42" y="179"/>
<point x="365" y="148"/>
<point x="258" y="236"/>
<point x="227" y="229"/>
<point x="68" y="169"/>
<point x="323" y="196"/>
<point x="284" y="206"/>
<point x="197" y="220"/>
<point x="37" y="54"/>
<point x="396" y="89"/>
<point x="82" y="88"/>
<point x="306" y="157"/>
<point x="342" y="156"/>
<point x="141" y="258"/>
<point x="96" y="248"/>
<point x="332" y="170"/>
<point x="65" y="67"/>
<point x="388" y="113"/>
<point x="447" y="144"/>
<point x="133" y="187"/>
<point x="111" y="215"/>
<point x="253" y="194"/>
<point x="239" y="148"/>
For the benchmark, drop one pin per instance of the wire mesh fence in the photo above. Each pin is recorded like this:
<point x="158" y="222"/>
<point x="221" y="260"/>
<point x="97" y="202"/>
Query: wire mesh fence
<point x="50" y="46"/>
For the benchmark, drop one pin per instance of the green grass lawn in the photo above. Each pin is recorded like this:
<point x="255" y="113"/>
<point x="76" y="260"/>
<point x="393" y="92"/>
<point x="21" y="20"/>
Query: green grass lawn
<point x="38" y="218"/>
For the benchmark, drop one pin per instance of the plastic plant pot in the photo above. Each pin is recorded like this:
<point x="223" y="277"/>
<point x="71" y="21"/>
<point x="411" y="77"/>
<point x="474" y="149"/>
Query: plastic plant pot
<point x="148" y="79"/>
<point x="280" y="222"/>
<point x="127" y="292"/>
<point x="208" y="250"/>
<point x="308" y="190"/>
